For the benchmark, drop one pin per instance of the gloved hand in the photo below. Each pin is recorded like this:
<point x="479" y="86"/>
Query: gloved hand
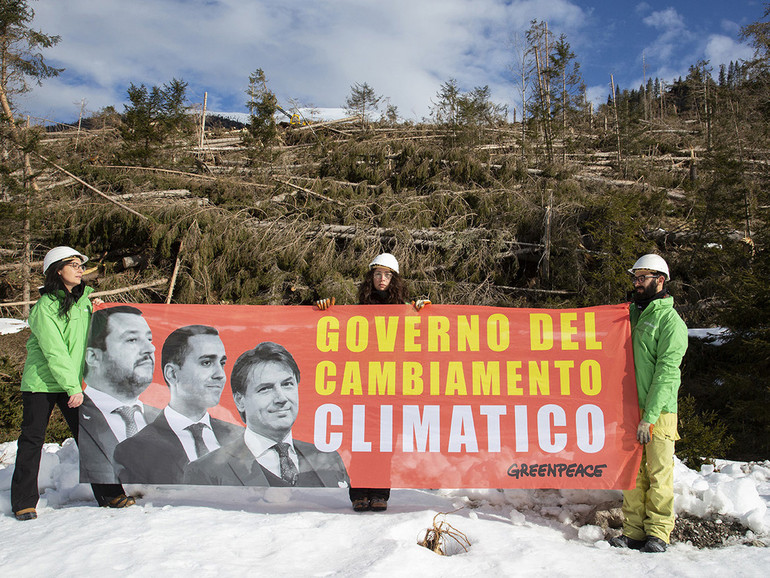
<point x="324" y="304"/>
<point x="420" y="303"/>
<point x="644" y="432"/>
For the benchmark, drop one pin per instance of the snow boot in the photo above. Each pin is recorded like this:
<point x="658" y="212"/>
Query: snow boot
<point x="626" y="542"/>
<point x="654" y="544"/>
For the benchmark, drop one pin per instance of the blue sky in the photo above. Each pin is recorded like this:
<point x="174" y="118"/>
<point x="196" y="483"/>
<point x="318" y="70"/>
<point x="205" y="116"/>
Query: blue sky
<point x="313" y="50"/>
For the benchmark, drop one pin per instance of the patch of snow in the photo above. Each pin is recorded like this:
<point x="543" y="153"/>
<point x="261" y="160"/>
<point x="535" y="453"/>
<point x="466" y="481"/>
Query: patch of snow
<point x="308" y="113"/>
<point x="715" y="335"/>
<point x="8" y="326"/>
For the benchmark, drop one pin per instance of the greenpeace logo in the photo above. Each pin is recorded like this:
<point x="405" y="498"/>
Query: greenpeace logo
<point x="572" y="470"/>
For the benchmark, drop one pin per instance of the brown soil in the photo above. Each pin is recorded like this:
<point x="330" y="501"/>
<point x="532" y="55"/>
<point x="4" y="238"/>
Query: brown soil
<point x="14" y="347"/>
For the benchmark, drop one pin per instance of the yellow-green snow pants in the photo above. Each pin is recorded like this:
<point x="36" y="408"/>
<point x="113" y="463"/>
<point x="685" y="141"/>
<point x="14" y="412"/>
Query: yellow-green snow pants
<point x="648" y="509"/>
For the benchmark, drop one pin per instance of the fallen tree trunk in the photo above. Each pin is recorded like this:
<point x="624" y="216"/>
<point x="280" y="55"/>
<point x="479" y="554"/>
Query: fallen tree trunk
<point x="180" y="173"/>
<point x="169" y="194"/>
<point x="147" y="285"/>
<point x="12" y="266"/>
<point x="153" y="169"/>
<point x="92" y="188"/>
<point x="304" y="190"/>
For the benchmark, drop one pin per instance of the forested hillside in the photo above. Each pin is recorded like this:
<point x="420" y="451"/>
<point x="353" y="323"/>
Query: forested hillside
<point x="548" y="212"/>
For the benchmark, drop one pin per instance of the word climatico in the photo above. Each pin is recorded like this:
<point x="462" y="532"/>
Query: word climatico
<point x="421" y="429"/>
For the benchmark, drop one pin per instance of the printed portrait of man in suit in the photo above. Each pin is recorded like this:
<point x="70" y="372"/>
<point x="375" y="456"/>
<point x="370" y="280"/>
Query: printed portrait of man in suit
<point x="119" y="362"/>
<point x="265" y="385"/>
<point x="193" y="360"/>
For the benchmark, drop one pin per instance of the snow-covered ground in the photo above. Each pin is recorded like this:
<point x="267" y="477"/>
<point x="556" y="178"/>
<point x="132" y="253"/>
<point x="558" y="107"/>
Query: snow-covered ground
<point x="312" y="114"/>
<point x="219" y="531"/>
<point x="182" y="531"/>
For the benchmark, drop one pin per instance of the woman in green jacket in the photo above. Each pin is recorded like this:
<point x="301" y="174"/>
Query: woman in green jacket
<point x="53" y="375"/>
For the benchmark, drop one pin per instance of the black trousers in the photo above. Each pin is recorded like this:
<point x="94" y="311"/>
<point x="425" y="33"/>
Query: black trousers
<point x="369" y="493"/>
<point x="36" y="412"/>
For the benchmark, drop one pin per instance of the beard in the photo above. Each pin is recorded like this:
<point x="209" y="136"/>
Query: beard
<point x="133" y="385"/>
<point x="127" y="382"/>
<point x="645" y="293"/>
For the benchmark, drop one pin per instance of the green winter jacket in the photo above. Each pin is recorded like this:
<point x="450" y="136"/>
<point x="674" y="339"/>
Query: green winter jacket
<point x="659" y="338"/>
<point x="56" y="349"/>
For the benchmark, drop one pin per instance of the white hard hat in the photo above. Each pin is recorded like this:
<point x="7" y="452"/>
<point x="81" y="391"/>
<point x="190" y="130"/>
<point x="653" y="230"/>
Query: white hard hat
<point x="59" y="253"/>
<point x="651" y="262"/>
<point x="385" y="260"/>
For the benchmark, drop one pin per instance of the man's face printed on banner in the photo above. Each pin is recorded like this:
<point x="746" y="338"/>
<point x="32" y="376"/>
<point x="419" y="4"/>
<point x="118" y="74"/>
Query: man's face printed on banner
<point x="201" y="377"/>
<point x="271" y="400"/>
<point x="129" y="356"/>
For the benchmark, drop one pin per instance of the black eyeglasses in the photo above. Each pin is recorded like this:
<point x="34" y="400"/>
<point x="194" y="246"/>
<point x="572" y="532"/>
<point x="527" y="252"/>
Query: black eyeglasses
<point x="76" y="265"/>
<point x="642" y="278"/>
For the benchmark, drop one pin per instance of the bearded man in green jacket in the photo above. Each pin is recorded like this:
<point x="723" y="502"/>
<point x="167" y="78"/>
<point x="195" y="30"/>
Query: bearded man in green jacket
<point x="659" y="338"/>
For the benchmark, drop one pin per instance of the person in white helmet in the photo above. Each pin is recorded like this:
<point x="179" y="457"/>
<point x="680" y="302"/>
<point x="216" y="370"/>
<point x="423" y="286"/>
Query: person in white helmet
<point x="659" y="338"/>
<point x="382" y="285"/>
<point x="53" y="375"/>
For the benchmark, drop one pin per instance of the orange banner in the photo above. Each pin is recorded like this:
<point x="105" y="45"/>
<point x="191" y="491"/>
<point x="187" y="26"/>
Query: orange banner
<point x="448" y="397"/>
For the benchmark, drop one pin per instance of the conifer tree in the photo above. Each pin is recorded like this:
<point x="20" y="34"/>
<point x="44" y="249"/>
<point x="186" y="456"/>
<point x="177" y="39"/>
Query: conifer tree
<point x="540" y="45"/>
<point x="445" y="110"/>
<point x="362" y="101"/>
<point x="262" y="105"/>
<point x="566" y="70"/>
<point x="758" y="34"/>
<point x="567" y="86"/>
<point x="21" y="60"/>
<point x="154" y="115"/>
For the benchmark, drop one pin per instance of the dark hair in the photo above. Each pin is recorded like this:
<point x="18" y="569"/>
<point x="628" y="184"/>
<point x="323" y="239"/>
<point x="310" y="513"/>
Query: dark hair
<point x="396" y="291"/>
<point x="176" y="346"/>
<point x="53" y="284"/>
<point x="265" y="352"/>
<point x="98" y="333"/>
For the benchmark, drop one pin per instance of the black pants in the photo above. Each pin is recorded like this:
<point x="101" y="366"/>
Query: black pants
<point x="369" y="493"/>
<point x="36" y="412"/>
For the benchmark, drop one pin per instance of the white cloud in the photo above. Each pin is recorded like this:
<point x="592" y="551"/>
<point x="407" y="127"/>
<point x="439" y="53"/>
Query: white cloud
<point x="722" y="49"/>
<point x="598" y="94"/>
<point x="730" y="27"/>
<point x="642" y="7"/>
<point x="678" y="46"/>
<point x="312" y="51"/>
<point x="666" y="20"/>
<point x="673" y="35"/>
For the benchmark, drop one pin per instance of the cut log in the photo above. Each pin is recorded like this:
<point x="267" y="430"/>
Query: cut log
<point x="147" y="285"/>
